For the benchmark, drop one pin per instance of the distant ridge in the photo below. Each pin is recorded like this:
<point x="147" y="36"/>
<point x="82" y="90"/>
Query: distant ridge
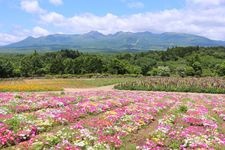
<point x="120" y="41"/>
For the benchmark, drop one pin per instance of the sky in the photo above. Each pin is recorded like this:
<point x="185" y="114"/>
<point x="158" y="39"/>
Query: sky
<point x="22" y="18"/>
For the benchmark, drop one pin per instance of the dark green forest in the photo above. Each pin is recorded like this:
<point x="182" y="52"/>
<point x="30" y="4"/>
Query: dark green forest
<point x="177" y="61"/>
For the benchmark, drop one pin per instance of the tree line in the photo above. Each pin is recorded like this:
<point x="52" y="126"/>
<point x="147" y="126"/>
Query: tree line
<point x="176" y="61"/>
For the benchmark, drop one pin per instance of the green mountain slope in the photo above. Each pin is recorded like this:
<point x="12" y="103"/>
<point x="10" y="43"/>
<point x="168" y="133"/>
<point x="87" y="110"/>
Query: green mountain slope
<point x="120" y="41"/>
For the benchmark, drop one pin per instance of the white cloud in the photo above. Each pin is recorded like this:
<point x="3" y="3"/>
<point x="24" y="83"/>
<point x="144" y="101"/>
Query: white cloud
<point x="38" y="31"/>
<point x="31" y="6"/>
<point x="56" y="2"/>
<point x="205" y="3"/>
<point x="8" y="38"/>
<point x="201" y="17"/>
<point x="52" y="17"/>
<point x="205" y="21"/>
<point x="19" y="33"/>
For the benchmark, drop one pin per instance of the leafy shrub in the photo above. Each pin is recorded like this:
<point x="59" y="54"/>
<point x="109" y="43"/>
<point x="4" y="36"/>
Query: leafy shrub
<point x="161" y="71"/>
<point x="189" y="71"/>
<point x="181" y="71"/>
<point x="221" y="69"/>
<point x="175" y="145"/>
<point x="183" y="109"/>
<point x="14" y="123"/>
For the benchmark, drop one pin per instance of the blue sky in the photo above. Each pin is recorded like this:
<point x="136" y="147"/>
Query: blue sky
<point x="22" y="18"/>
<point x="13" y="15"/>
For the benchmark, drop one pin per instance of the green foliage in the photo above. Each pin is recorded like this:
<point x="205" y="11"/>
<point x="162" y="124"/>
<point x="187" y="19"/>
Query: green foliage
<point x="68" y="63"/>
<point x="181" y="71"/>
<point x="161" y="71"/>
<point x="56" y="66"/>
<point x="221" y="69"/>
<point x="208" y="72"/>
<point x="31" y="65"/>
<point x="117" y="66"/>
<point x="37" y="145"/>
<point x="145" y="64"/>
<point x="14" y="123"/>
<point x="183" y="109"/>
<point x="175" y="144"/>
<point x="197" y="68"/>
<point x="52" y="140"/>
<point x="177" y="61"/>
<point x="129" y="146"/>
<point x="6" y="69"/>
<point x="189" y="71"/>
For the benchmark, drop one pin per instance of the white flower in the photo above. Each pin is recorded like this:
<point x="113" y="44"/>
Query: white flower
<point x="80" y="144"/>
<point x="3" y="111"/>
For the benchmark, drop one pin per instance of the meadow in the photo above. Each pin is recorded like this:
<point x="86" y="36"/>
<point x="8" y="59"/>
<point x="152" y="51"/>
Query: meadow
<point x="111" y="120"/>
<point x="38" y="85"/>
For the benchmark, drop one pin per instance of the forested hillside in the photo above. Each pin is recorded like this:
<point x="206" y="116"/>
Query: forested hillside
<point x="111" y="43"/>
<point x="177" y="61"/>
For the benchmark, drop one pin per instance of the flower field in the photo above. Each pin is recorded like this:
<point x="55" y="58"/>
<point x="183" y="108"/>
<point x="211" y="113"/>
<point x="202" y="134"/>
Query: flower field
<point x="36" y="85"/>
<point x="176" y="84"/>
<point x="102" y="120"/>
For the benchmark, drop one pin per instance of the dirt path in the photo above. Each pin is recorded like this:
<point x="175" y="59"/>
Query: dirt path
<point x="103" y="88"/>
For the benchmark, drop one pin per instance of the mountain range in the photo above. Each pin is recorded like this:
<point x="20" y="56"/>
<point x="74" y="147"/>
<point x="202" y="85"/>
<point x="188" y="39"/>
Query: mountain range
<point x="120" y="41"/>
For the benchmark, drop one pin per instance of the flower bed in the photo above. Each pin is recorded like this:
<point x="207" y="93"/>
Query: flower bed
<point x="194" y="128"/>
<point x="103" y="120"/>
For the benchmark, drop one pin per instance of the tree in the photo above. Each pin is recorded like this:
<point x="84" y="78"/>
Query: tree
<point x="6" y="69"/>
<point x="88" y="64"/>
<point x="36" y="64"/>
<point x="181" y="71"/>
<point x="94" y="64"/>
<point x="221" y="69"/>
<point x="160" y="71"/>
<point x="194" y="62"/>
<point x="117" y="66"/>
<point x="56" y="65"/>
<point x="146" y="64"/>
<point x="189" y="71"/>
<point x="25" y="66"/>
<point x="69" y="53"/>
<point x="69" y="66"/>
<point x="197" y="68"/>
<point x="31" y="65"/>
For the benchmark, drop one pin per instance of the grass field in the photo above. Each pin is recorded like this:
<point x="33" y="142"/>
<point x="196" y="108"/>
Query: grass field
<point x="56" y="84"/>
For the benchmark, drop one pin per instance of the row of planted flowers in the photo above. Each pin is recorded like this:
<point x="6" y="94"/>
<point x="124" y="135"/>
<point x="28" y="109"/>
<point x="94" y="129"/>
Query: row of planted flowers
<point x="102" y="120"/>
<point x="27" y="102"/>
<point x="19" y="126"/>
<point x="104" y="131"/>
<point x="189" y="125"/>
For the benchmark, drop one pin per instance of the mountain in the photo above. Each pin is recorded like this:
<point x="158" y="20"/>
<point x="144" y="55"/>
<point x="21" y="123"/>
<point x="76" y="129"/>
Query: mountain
<point x="120" y="41"/>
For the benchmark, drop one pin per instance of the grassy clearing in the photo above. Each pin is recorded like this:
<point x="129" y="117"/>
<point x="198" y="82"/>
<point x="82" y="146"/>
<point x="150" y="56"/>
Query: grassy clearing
<point x="172" y="84"/>
<point x="56" y="84"/>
